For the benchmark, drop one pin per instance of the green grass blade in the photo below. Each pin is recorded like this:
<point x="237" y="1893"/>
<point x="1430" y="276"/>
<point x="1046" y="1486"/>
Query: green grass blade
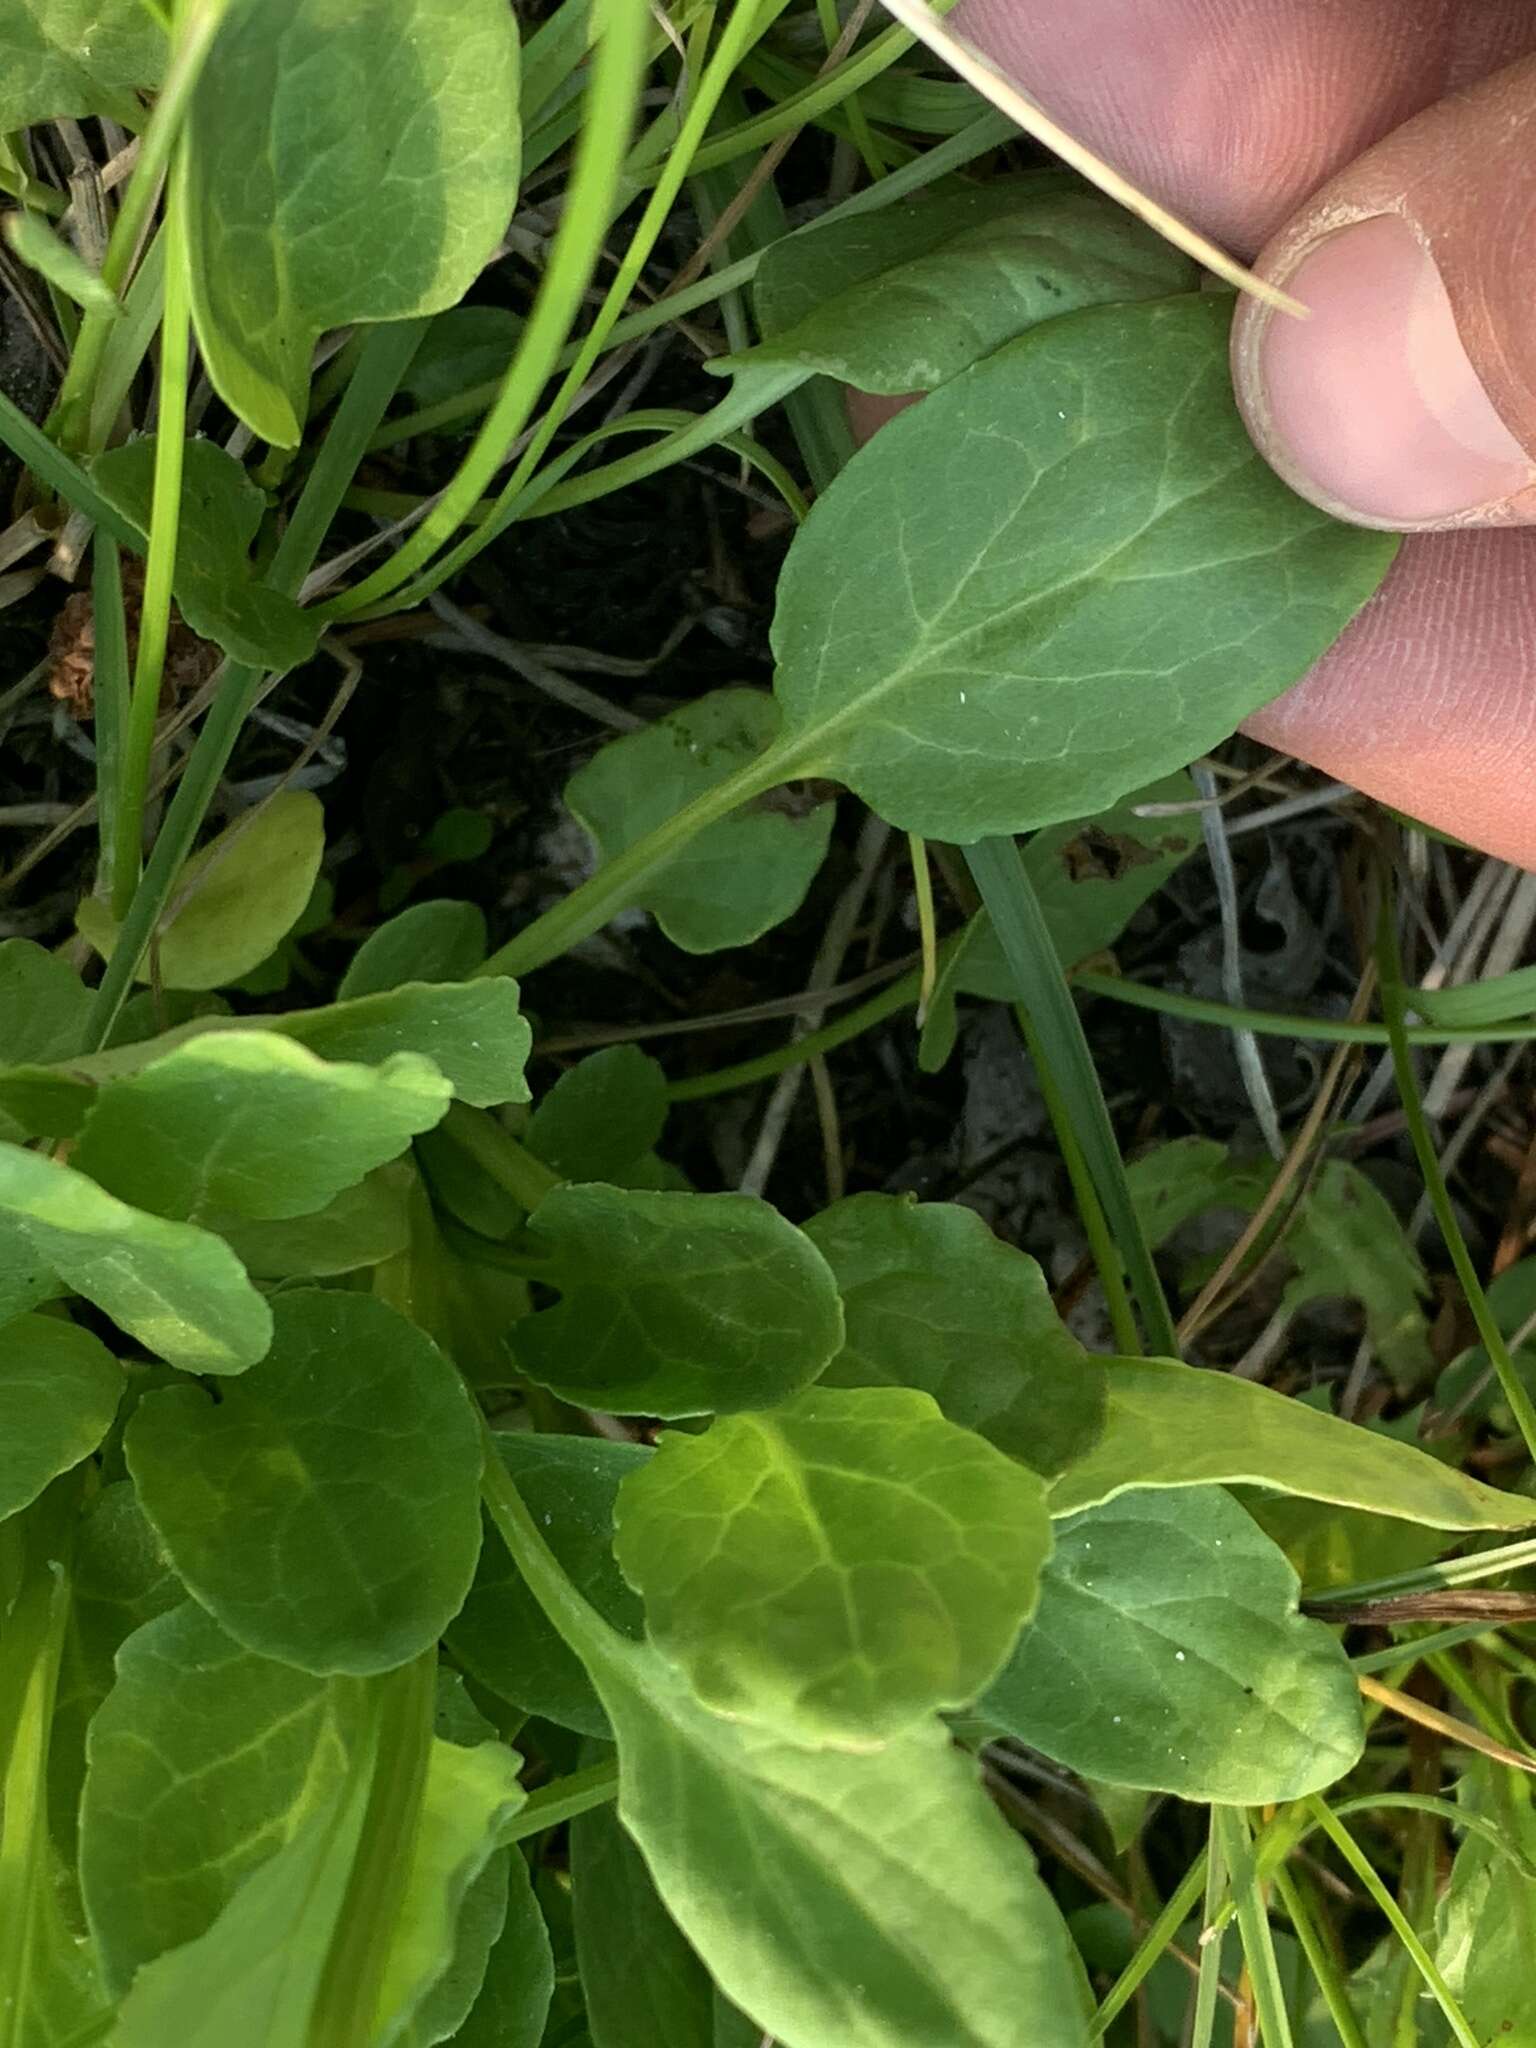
<point x="1253" y="1925"/>
<point x="1025" y="939"/>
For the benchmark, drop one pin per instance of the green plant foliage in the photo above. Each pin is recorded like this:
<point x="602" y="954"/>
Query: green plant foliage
<point x="676" y="1304"/>
<point x="904" y="299"/>
<point x="31" y="238"/>
<point x="837" y="1568"/>
<point x="734" y="880"/>
<point x="465" y="346"/>
<point x="876" y="1900"/>
<point x="76" y="57"/>
<point x="349" y="1460"/>
<point x="219" y="596"/>
<point x="932" y="1299"/>
<point x="1175" y="1425"/>
<point x="1486" y="1917"/>
<point x="501" y="1635"/>
<point x="1091" y="876"/>
<point x="438" y="941"/>
<point x="362" y="1226"/>
<point x="1168" y="1654"/>
<point x="236" y="899"/>
<point x="59" y="1390"/>
<point x="1344" y="1241"/>
<point x="232" y="1753"/>
<point x="643" y="1985"/>
<point x="472" y="1033"/>
<point x="514" y="1997"/>
<point x="412" y="108"/>
<point x="1094" y="599"/>
<point x="602" y="1117"/>
<point x="43" y="1004"/>
<point x="246" y="1124"/>
<point x="178" y="1290"/>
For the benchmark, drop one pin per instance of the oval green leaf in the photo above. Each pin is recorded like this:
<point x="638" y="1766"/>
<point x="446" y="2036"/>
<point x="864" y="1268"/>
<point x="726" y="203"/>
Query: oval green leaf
<point x="59" y="1390"/>
<point x="838" y="1568"/>
<point x="248" y="1124"/>
<point x="348" y="1462"/>
<point x="439" y="941"/>
<point x="734" y="880"/>
<point x="966" y="272"/>
<point x="602" y="1116"/>
<point x="676" y="1304"/>
<point x="1066" y="571"/>
<point x="932" y="1299"/>
<point x="179" y="1290"/>
<point x="1168" y="1654"/>
<point x="235" y="900"/>
<point x="410" y="107"/>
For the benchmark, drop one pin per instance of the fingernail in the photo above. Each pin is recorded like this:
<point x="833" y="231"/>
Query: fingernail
<point x="1372" y="407"/>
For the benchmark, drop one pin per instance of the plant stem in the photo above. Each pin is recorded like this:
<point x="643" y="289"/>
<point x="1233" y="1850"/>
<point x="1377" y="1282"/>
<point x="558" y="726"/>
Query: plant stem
<point x="1212" y="1939"/>
<point x="1152" y="1944"/>
<point x="160" y="566"/>
<point x="1142" y="995"/>
<point x="1253" y="1925"/>
<point x="197" y="25"/>
<point x="511" y="1165"/>
<point x="111" y="690"/>
<point x="1320" y="1960"/>
<point x="1394" y="1004"/>
<point x="565" y="1799"/>
<point x="901" y="995"/>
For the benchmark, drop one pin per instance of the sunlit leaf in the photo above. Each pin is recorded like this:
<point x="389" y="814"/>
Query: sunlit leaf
<point x="1176" y="1425"/>
<point x="178" y="1290"/>
<point x="643" y="1985"/>
<point x="234" y="900"/>
<point x="838" y="1567"/>
<point x="249" y="1124"/>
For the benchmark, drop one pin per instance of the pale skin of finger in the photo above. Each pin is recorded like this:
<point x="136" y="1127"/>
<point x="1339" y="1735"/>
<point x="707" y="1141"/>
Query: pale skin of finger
<point x="1235" y="113"/>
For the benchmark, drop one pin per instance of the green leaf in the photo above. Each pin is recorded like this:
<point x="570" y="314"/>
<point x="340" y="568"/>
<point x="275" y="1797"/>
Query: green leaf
<point x="471" y="1794"/>
<point x="43" y="1004"/>
<point x="466" y="346"/>
<point x="1066" y="571"/>
<point x="246" y="1124"/>
<point x="932" y="1299"/>
<point x="76" y="57"/>
<point x="231" y="1753"/>
<point x="471" y="1032"/>
<point x="341" y="166"/>
<point x="443" y="940"/>
<point x="349" y="1461"/>
<point x="1091" y="876"/>
<point x="734" y="880"/>
<point x="216" y="588"/>
<point x="966" y="273"/>
<point x="59" y="1390"/>
<point x="837" y="1568"/>
<point x="362" y="1226"/>
<point x="1176" y="1425"/>
<point x="500" y="1635"/>
<point x="46" y="252"/>
<point x="601" y="1117"/>
<point x="178" y="1290"/>
<point x="643" y="1985"/>
<point x="675" y="1304"/>
<point x="519" y="1981"/>
<point x="1486" y="1917"/>
<point x="874" y="1900"/>
<point x="1168" y="1654"/>
<point x="235" y="899"/>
